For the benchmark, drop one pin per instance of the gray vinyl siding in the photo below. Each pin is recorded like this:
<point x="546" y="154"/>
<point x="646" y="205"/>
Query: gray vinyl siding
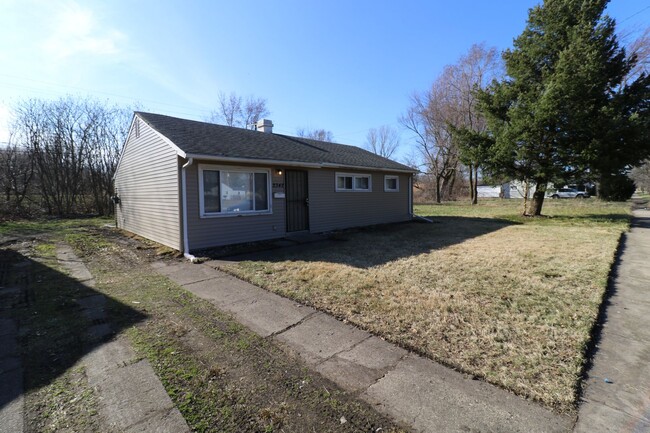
<point x="331" y="210"/>
<point x="147" y="182"/>
<point x="224" y="230"/>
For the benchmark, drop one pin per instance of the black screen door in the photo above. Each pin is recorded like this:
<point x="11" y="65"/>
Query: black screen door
<point x="297" y="200"/>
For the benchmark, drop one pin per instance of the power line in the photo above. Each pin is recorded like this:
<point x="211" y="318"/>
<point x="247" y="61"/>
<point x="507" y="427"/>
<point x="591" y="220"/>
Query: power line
<point x="635" y="14"/>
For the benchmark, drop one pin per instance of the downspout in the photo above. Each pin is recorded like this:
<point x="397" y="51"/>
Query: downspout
<point x="186" y="241"/>
<point x="411" y="195"/>
<point x="413" y="215"/>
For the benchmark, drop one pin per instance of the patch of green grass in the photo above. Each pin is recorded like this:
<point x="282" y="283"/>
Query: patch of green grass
<point x="52" y="225"/>
<point x="68" y="403"/>
<point x="506" y="298"/>
<point x="86" y="242"/>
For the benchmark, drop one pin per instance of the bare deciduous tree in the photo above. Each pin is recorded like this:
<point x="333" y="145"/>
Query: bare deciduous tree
<point x="253" y="110"/>
<point x="74" y="146"/>
<point x="57" y="136"/>
<point x="236" y="111"/>
<point x="107" y="137"/>
<point x="16" y="174"/>
<point x="450" y="104"/>
<point x="427" y="118"/>
<point x="315" y="134"/>
<point x="382" y="141"/>
<point x="474" y="71"/>
<point x="639" y="48"/>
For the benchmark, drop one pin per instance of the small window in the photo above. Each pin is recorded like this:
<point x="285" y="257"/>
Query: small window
<point x="391" y="183"/>
<point x="233" y="191"/>
<point x="344" y="183"/>
<point x="353" y="182"/>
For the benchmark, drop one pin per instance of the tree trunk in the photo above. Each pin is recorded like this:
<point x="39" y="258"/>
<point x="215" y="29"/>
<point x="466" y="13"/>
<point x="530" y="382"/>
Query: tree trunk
<point x="536" y="203"/>
<point x="472" y="197"/>
<point x="438" y="189"/>
<point x="475" y="186"/>
<point x="449" y="185"/>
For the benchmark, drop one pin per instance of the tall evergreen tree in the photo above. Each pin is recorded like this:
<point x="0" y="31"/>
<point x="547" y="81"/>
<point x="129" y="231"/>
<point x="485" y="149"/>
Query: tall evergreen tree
<point x="563" y="111"/>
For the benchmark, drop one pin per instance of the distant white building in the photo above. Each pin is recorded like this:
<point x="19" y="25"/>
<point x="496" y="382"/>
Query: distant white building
<point x="513" y="189"/>
<point x="489" y="191"/>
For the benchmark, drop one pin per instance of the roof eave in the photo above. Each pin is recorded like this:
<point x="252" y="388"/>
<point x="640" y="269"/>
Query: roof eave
<point x="217" y="158"/>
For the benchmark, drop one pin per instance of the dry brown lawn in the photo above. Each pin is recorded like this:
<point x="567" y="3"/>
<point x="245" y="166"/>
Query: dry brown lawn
<point x="508" y="299"/>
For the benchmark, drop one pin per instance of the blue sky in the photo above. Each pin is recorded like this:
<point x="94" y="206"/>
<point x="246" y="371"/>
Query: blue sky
<point x="345" y="66"/>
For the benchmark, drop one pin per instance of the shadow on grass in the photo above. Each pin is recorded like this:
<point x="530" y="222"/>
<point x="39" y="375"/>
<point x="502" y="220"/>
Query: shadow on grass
<point x="54" y="331"/>
<point x="378" y="245"/>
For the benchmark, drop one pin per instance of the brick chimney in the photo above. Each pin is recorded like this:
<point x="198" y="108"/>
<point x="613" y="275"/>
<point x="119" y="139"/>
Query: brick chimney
<point x="264" y="125"/>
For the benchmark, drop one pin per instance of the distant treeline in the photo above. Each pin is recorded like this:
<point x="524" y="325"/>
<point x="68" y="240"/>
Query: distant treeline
<point x="61" y="157"/>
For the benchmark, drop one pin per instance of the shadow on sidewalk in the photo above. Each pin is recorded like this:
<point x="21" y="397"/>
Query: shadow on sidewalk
<point x="53" y="329"/>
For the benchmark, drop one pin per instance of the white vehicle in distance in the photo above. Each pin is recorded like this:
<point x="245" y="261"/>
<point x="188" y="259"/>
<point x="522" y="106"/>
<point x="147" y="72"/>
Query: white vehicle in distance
<point x="569" y="193"/>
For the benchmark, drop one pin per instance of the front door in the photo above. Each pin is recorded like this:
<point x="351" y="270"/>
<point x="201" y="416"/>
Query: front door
<point x="297" y="200"/>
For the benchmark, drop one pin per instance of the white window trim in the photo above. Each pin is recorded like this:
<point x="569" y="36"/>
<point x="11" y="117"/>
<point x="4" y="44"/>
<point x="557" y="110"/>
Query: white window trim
<point x="220" y="168"/>
<point x="386" y="189"/>
<point x="353" y="175"/>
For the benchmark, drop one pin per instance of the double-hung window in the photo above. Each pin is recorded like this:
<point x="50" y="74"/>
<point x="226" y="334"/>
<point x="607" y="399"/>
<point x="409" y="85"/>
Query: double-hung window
<point x="391" y="183"/>
<point x="233" y="191"/>
<point x="353" y="182"/>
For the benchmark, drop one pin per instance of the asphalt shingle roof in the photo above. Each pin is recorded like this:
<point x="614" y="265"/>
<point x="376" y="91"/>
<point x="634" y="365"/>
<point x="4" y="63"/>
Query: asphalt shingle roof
<point x="209" y="139"/>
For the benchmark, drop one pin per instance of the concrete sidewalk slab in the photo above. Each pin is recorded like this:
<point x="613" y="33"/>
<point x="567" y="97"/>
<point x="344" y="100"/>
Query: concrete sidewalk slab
<point x="131" y="397"/>
<point x="622" y="383"/>
<point x="184" y="275"/>
<point x="11" y="379"/>
<point x="633" y="291"/>
<point x="261" y="311"/>
<point x="11" y="401"/>
<point x="267" y="314"/>
<point x="436" y="399"/>
<point x="413" y="390"/>
<point x="73" y="264"/>
<point x="622" y="403"/>
<point x="320" y="337"/>
<point x="228" y="291"/>
<point x="358" y="368"/>
<point x="601" y="418"/>
<point x="623" y="318"/>
<point x="111" y="356"/>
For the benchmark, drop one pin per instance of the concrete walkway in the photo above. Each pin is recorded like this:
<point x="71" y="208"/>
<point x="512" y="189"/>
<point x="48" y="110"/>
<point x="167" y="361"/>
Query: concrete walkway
<point x="11" y="379"/>
<point x="413" y="390"/>
<point x="131" y="397"/>
<point x="14" y="281"/>
<point x="617" y="394"/>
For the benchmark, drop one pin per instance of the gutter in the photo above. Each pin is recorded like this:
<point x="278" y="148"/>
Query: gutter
<point x="292" y="163"/>
<point x="186" y="241"/>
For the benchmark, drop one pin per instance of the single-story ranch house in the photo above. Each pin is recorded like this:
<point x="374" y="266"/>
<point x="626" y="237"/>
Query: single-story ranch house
<point x="192" y="185"/>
